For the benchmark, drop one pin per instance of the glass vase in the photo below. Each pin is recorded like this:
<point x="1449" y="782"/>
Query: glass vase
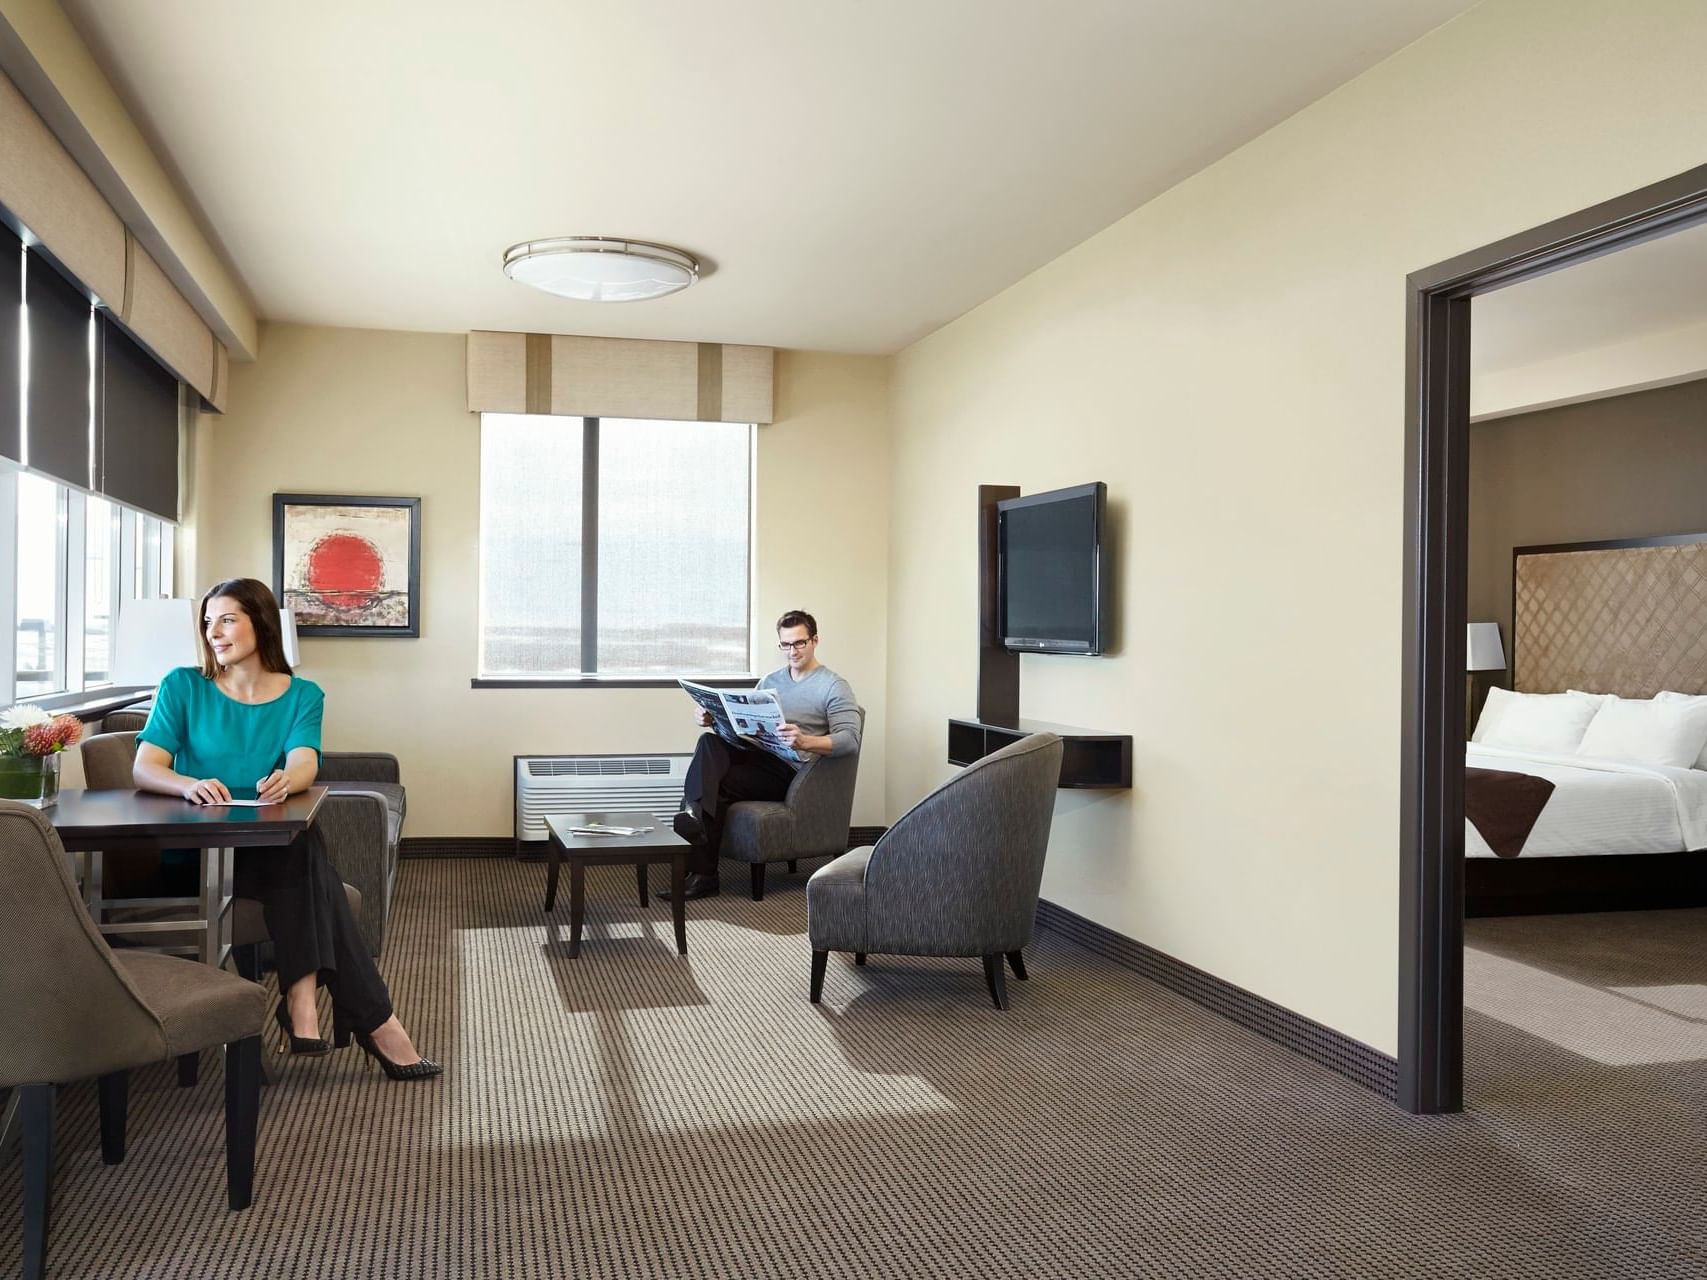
<point x="31" y="779"/>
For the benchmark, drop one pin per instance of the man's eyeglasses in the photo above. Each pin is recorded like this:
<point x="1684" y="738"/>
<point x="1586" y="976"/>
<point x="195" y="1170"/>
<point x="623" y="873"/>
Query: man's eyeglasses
<point x="794" y="646"/>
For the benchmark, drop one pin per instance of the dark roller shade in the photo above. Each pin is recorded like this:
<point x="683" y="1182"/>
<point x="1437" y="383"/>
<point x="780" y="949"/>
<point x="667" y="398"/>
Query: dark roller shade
<point x="58" y="411"/>
<point x="139" y="426"/>
<point x="11" y="298"/>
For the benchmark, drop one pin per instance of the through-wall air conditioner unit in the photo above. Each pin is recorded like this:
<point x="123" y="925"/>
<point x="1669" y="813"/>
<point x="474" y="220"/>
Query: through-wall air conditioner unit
<point x="548" y="785"/>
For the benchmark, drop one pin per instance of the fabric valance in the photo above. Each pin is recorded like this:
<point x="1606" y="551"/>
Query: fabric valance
<point x="43" y="187"/>
<point x="618" y="377"/>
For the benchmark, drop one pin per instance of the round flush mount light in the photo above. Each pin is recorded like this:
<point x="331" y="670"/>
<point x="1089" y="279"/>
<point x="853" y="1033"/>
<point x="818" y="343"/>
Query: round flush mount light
<point x="601" y="268"/>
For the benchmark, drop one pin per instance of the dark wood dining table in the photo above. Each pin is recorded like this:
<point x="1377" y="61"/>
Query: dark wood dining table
<point x="98" y="822"/>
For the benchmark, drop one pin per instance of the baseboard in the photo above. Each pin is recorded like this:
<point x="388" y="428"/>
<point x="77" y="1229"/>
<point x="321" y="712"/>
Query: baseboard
<point x="1338" y="1052"/>
<point x="533" y="850"/>
<point x="455" y="847"/>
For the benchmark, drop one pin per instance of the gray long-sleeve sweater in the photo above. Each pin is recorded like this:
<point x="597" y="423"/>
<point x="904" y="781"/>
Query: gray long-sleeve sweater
<point x="822" y="703"/>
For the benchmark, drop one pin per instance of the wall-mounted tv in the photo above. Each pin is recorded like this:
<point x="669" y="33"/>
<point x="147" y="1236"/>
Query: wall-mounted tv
<point x="1053" y="590"/>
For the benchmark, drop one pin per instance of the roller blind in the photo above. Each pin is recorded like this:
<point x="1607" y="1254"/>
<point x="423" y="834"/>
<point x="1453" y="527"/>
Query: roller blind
<point x="57" y="414"/>
<point x="11" y="299"/>
<point x="139" y="426"/>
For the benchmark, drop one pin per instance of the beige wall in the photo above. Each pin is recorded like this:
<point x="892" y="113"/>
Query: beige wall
<point x="1628" y="467"/>
<point x="354" y="411"/>
<point x="1230" y="359"/>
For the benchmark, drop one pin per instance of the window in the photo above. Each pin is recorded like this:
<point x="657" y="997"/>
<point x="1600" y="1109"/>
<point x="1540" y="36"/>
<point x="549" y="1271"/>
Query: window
<point x="614" y="547"/>
<point x="73" y="558"/>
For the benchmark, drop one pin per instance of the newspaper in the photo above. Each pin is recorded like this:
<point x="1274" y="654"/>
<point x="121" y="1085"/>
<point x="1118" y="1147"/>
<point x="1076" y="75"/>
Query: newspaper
<point x="744" y="717"/>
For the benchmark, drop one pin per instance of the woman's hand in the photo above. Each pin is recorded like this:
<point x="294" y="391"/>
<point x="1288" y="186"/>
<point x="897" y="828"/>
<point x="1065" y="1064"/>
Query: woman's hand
<point x="206" y="791"/>
<point x="701" y="717"/>
<point x="274" y="788"/>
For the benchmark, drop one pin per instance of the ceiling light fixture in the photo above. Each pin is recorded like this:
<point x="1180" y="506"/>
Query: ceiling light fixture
<point x="601" y="268"/>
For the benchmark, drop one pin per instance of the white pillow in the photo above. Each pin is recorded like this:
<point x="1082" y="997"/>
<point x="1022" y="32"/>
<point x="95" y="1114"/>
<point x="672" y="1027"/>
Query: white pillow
<point x="1648" y="731"/>
<point x="1546" y="723"/>
<point x="1669" y="696"/>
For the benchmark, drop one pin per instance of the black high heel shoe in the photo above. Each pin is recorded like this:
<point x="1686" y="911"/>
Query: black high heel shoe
<point x="308" y="1046"/>
<point x="425" y="1069"/>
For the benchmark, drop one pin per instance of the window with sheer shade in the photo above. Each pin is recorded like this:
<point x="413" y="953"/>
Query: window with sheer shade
<point x="614" y="548"/>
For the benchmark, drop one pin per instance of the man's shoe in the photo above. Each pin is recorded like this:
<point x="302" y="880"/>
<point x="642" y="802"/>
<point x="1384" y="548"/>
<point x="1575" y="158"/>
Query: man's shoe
<point x="695" y="886"/>
<point x="689" y="828"/>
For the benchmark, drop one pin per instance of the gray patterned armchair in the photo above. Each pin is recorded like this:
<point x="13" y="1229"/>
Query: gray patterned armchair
<point x="810" y="822"/>
<point x="957" y="875"/>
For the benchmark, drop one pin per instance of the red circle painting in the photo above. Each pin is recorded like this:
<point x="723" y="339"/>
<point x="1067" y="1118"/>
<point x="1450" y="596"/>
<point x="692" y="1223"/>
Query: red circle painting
<point x="345" y="571"/>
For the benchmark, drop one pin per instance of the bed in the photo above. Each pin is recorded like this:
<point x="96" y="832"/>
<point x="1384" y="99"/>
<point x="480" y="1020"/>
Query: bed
<point x="1624" y="823"/>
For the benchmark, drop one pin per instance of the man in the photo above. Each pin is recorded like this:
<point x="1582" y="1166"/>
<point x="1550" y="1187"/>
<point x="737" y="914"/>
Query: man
<point x="821" y="719"/>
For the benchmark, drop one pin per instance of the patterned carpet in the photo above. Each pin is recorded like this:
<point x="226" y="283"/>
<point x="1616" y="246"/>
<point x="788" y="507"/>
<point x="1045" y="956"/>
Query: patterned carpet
<point x="632" y="1114"/>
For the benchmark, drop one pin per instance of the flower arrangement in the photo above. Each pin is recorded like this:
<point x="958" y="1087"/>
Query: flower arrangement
<point x="26" y="730"/>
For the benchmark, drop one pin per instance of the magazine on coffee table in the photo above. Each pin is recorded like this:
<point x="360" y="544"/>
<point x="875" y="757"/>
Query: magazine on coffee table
<point x="744" y="717"/>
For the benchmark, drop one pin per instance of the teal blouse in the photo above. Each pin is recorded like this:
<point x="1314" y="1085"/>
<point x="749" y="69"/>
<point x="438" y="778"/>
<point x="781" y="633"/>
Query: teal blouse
<point x="210" y="735"/>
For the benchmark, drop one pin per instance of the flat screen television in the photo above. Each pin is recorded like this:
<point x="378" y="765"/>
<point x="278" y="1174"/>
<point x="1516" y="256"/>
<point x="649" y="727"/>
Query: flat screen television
<point x="1051" y="582"/>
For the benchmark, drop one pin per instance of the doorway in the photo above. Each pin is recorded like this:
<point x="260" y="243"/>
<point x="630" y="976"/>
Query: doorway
<point x="1433" y="714"/>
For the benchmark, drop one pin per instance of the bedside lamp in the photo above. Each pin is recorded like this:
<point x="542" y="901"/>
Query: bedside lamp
<point x="151" y="638"/>
<point x="1482" y="652"/>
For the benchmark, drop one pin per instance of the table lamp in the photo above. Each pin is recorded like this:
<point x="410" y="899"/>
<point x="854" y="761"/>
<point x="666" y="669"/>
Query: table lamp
<point x="151" y="638"/>
<point x="287" y="632"/>
<point x="1482" y="652"/>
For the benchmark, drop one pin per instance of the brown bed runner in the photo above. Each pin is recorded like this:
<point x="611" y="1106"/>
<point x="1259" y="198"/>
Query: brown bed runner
<point x="1504" y="806"/>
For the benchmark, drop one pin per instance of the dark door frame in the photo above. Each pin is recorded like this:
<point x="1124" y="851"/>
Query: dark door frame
<point x="1437" y="497"/>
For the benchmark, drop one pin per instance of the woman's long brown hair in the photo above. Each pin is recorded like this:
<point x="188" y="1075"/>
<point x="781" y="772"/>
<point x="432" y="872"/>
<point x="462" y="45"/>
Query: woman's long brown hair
<point x="256" y="600"/>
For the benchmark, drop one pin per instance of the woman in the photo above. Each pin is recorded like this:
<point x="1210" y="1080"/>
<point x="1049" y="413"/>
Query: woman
<point x="244" y="722"/>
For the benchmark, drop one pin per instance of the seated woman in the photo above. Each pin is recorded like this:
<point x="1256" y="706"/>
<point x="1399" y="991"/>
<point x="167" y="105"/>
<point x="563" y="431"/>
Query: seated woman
<point x="245" y="723"/>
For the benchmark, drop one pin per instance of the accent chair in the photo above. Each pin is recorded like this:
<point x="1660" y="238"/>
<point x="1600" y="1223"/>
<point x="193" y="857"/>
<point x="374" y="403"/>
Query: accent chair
<point x="957" y="875"/>
<point x="811" y="821"/>
<point x="74" y="1009"/>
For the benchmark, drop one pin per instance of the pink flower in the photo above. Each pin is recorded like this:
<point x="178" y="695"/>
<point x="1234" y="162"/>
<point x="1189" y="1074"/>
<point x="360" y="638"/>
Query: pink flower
<point x="56" y="735"/>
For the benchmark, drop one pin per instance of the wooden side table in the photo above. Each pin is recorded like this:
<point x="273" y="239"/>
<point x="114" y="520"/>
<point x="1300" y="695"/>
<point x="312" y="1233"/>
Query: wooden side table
<point x="661" y="844"/>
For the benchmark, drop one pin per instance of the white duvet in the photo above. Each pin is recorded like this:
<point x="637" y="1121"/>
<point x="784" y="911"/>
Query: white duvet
<point x="1601" y="806"/>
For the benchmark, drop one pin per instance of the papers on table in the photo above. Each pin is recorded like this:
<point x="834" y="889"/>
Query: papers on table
<point x="601" y="829"/>
<point x="243" y="804"/>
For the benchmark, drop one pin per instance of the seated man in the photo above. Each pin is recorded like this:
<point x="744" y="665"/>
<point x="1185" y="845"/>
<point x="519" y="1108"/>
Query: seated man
<point x="822" y="718"/>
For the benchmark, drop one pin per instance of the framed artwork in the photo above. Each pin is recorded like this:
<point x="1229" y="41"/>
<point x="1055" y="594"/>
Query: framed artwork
<point x="348" y="566"/>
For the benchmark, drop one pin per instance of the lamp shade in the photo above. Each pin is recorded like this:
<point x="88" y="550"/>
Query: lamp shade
<point x="1482" y="650"/>
<point x="153" y="636"/>
<point x="287" y="630"/>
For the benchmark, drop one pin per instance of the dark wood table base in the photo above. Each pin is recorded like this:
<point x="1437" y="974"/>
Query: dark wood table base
<point x="632" y="853"/>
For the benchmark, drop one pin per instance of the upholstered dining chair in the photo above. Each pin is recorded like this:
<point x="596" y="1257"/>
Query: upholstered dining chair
<point x="956" y="875"/>
<point x="811" y="821"/>
<point x="73" y="1010"/>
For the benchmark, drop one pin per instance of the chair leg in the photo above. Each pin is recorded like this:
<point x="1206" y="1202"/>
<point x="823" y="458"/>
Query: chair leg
<point x="758" y="882"/>
<point x="246" y="959"/>
<point x="242" y="1114"/>
<point x="793" y="866"/>
<point x="36" y="1108"/>
<point x="189" y="1070"/>
<point x="859" y="958"/>
<point x="994" y="976"/>
<point x="820" y="961"/>
<point x="1018" y="962"/>
<point x="114" y="1093"/>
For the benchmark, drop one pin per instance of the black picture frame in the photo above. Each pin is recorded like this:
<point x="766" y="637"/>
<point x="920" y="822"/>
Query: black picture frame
<point x="410" y="627"/>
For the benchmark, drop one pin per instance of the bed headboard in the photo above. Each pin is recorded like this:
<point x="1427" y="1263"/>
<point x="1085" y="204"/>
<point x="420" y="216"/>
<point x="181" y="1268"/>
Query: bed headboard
<point x="1626" y="617"/>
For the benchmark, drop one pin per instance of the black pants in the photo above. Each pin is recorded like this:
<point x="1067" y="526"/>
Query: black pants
<point x="719" y="775"/>
<point x="302" y="899"/>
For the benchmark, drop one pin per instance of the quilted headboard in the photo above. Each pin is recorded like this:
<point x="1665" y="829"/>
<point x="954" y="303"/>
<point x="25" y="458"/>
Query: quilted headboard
<point x="1626" y="617"/>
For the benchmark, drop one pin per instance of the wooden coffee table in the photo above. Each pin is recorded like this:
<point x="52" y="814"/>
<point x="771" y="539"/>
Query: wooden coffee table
<point x="661" y="844"/>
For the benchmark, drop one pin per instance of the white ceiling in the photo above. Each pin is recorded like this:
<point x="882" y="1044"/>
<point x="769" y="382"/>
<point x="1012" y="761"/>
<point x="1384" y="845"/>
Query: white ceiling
<point x="1654" y="288"/>
<point x="857" y="173"/>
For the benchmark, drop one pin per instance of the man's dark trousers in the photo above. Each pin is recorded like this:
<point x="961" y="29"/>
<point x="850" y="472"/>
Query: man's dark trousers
<point x="718" y="776"/>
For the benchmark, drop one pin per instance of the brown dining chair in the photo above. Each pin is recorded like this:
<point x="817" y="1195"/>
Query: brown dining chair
<point x="74" y="1009"/>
